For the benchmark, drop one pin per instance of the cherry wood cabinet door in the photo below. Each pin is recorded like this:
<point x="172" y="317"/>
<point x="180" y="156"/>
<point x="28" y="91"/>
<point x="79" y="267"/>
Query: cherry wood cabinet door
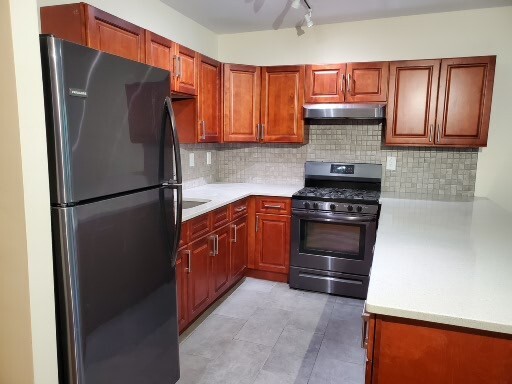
<point x="160" y="53"/>
<point x="209" y="100"/>
<point x="239" y="249"/>
<point x="199" y="277"/>
<point x="186" y="67"/>
<point x="412" y="101"/>
<point x="219" y="278"/>
<point x="465" y="96"/>
<point x="111" y="34"/>
<point x="181" y="286"/>
<point x="367" y="82"/>
<point x="272" y="243"/>
<point x="408" y="351"/>
<point x="282" y="101"/>
<point x="242" y="92"/>
<point x="325" y="83"/>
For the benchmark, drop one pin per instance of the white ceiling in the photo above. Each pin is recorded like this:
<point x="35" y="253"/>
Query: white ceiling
<point x="234" y="16"/>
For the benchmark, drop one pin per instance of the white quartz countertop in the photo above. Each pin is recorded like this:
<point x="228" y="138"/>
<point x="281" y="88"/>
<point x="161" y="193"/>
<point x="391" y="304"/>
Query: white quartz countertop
<point x="222" y="194"/>
<point x="444" y="262"/>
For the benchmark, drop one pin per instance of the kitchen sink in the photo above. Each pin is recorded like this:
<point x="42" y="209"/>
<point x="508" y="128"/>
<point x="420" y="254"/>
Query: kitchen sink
<point x="187" y="204"/>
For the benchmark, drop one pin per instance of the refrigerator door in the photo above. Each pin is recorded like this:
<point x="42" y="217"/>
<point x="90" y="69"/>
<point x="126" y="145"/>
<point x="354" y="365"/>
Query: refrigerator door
<point x="116" y="290"/>
<point x="105" y="118"/>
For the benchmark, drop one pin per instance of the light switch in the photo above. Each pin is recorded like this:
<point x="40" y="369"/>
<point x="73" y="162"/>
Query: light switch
<point x="391" y="163"/>
<point x="191" y="160"/>
<point x="208" y="158"/>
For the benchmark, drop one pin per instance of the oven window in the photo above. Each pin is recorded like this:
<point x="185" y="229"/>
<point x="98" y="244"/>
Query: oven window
<point x="333" y="239"/>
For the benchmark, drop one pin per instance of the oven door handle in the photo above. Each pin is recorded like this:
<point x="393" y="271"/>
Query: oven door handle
<point x="334" y="217"/>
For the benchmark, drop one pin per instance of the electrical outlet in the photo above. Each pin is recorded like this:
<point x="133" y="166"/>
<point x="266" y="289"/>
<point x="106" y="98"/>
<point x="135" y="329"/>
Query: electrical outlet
<point x="208" y="158"/>
<point x="191" y="160"/>
<point x="391" y="163"/>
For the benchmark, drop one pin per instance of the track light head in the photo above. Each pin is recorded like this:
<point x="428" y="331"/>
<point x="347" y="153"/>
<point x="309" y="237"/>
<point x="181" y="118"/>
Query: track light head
<point x="309" y="21"/>
<point x="296" y="4"/>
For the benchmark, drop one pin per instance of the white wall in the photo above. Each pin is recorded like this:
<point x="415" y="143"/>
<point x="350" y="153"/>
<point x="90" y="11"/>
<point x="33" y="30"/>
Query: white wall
<point x="159" y="18"/>
<point x="467" y="33"/>
<point x="27" y="320"/>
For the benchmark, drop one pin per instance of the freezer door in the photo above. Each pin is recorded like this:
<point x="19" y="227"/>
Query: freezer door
<point x="116" y="290"/>
<point x="104" y="118"/>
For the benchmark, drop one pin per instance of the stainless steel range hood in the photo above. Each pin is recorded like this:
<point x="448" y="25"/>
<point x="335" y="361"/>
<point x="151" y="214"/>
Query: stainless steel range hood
<point x="345" y="111"/>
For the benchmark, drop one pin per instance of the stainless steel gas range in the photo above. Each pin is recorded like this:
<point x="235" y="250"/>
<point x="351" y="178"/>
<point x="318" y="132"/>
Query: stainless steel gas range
<point x="334" y="226"/>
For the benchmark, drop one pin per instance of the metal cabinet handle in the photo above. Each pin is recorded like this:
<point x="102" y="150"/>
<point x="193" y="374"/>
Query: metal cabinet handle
<point x="257" y="223"/>
<point x="272" y="206"/>
<point x="349" y="87"/>
<point x="179" y="67"/>
<point x="364" y="336"/>
<point x="431" y="132"/>
<point x="234" y="230"/>
<point x="438" y="133"/>
<point x="342" y="82"/>
<point x="189" y="253"/>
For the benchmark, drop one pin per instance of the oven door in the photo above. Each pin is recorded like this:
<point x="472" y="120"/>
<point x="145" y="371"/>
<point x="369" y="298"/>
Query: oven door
<point x="333" y="241"/>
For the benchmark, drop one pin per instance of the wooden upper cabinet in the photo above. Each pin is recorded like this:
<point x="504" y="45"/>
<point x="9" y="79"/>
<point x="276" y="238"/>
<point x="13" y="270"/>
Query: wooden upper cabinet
<point x="242" y="90"/>
<point x="186" y="69"/>
<point x="160" y="52"/>
<point x="209" y="100"/>
<point x="325" y="83"/>
<point x="464" y="106"/>
<point x="86" y="25"/>
<point x="367" y="82"/>
<point x="412" y="101"/>
<point x="282" y="101"/>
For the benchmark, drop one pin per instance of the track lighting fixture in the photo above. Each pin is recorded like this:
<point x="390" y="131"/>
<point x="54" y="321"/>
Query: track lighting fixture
<point x="309" y="21"/>
<point x="296" y="4"/>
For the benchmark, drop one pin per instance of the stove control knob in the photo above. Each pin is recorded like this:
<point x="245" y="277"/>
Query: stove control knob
<point x="315" y="205"/>
<point x="333" y="207"/>
<point x="359" y="209"/>
<point x="307" y="205"/>
<point x="350" y="208"/>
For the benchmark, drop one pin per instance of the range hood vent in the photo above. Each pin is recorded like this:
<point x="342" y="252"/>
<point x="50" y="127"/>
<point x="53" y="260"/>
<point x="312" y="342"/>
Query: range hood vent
<point x="345" y="111"/>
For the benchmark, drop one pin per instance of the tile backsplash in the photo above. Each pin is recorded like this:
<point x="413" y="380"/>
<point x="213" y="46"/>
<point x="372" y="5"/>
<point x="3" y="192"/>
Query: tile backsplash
<point x="427" y="171"/>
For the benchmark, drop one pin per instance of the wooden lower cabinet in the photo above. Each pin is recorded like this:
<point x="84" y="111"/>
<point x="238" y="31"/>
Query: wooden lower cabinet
<point x="198" y="284"/>
<point x="272" y="251"/>
<point x="219" y="279"/>
<point x="181" y="287"/>
<point x="238" y="251"/>
<point x="409" y="351"/>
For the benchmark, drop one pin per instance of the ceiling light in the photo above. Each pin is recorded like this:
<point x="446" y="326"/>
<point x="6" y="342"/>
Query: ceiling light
<point x="309" y="21"/>
<point x="296" y="4"/>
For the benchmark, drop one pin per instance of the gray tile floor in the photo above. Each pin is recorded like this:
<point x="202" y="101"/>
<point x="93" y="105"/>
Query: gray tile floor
<point x="267" y="333"/>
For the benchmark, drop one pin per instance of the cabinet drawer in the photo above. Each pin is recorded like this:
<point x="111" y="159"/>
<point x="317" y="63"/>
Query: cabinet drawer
<point x="220" y="217"/>
<point x="199" y="226"/>
<point x="238" y="209"/>
<point x="276" y="205"/>
<point x="184" y="238"/>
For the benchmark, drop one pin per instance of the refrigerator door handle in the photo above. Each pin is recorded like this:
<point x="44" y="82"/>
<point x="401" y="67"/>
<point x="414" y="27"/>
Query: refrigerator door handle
<point x="173" y="226"/>
<point x="175" y="140"/>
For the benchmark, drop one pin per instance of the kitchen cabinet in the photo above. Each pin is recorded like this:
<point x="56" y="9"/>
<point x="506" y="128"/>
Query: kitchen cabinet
<point x="209" y="100"/>
<point x="241" y="97"/>
<point x="325" y="83"/>
<point x="220" y="268"/>
<point x="443" y="102"/>
<point x="238" y="249"/>
<point x="282" y="101"/>
<point x="198" y="279"/>
<point x="410" y="351"/>
<point x="186" y="70"/>
<point x="411" y="112"/>
<point x="367" y="82"/>
<point x="181" y="287"/>
<point x="92" y="27"/>
<point x="464" y="104"/>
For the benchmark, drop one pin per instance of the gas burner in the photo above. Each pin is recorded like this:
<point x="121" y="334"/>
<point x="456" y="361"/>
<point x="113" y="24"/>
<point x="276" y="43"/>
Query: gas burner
<point x="339" y="194"/>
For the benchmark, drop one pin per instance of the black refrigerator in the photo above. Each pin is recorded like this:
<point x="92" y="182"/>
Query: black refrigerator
<point x="115" y="189"/>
